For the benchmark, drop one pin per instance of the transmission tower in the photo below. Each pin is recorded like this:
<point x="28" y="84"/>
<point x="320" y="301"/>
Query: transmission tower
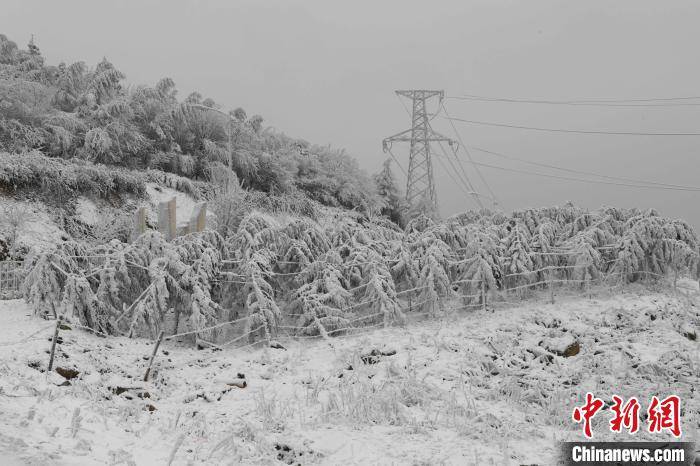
<point x="420" y="186"/>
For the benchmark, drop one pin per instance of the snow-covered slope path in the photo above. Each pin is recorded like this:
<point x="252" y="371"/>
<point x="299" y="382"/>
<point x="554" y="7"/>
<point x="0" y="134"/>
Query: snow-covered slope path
<point x="478" y="388"/>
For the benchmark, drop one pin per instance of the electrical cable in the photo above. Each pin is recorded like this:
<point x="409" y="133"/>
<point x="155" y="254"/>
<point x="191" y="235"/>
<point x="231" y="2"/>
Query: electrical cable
<point x="464" y="146"/>
<point x="668" y="102"/>
<point x="527" y="172"/>
<point x="581" y="172"/>
<point x="562" y="130"/>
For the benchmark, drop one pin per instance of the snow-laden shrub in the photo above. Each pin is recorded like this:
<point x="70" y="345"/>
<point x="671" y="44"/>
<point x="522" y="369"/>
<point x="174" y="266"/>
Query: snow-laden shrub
<point x="652" y="245"/>
<point x="46" y="276"/>
<point x="263" y="313"/>
<point x="518" y="263"/>
<point x="434" y="282"/>
<point x="345" y="270"/>
<point x="131" y="288"/>
<point x="320" y="300"/>
<point x="480" y="271"/>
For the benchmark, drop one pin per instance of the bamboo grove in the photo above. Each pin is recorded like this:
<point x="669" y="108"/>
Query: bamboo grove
<point x="292" y="274"/>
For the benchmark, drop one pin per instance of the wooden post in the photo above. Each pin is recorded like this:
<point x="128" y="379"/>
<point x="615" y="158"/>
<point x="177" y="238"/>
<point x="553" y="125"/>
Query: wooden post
<point x="483" y="294"/>
<point x="153" y="356"/>
<point x="588" y="288"/>
<point x="53" y="343"/>
<point x="551" y="286"/>
<point x="675" y="279"/>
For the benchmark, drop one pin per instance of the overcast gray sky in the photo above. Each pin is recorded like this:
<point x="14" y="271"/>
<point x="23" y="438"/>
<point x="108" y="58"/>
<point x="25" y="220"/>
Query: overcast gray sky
<point x="326" y="71"/>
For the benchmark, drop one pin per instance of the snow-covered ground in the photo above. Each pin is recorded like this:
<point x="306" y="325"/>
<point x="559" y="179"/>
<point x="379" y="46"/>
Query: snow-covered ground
<point x="474" y="388"/>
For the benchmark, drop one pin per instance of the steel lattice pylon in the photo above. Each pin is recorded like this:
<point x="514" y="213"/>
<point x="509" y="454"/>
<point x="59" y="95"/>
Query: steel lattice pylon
<point x="420" y="186"/>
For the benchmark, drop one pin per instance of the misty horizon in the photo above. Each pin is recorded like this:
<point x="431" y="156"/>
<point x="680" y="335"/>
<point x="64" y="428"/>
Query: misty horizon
<point x="340" y="90"/>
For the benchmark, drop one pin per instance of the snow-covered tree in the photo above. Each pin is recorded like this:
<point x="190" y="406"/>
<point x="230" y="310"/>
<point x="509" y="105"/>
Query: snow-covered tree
<point x="263" y="313"/>
<point x="81" y="302"/>
<point x="678" y="256"/>
<point x="47" y="274"/>
<point x="480" y="270"/>
<point x="518" y="264"/>
<point x="405" y="266"/>
<point x="542" y="248"/>
<point x="388" y="191"/>
<point x="434" y="281"/>
<point x="320" y="300"/>
<point x="380" y="292"/>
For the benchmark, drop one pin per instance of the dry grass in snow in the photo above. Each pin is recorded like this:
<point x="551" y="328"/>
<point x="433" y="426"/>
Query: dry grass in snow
<point x="478" y="388"/>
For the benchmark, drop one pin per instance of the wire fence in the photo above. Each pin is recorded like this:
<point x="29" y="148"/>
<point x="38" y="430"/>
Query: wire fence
<point x="362" y="322"/>
<point x="11" y="278"/>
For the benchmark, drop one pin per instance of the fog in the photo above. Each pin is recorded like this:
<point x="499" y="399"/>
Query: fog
<point x="326" y="72"/>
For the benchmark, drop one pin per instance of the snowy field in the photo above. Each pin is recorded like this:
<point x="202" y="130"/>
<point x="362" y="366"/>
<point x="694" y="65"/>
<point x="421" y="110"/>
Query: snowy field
<point x="483" y="388"/>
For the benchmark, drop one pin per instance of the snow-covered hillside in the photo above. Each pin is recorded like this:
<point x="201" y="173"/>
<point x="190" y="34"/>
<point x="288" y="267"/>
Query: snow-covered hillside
<point x="474" y="388"/>
<point x="33" y="223"/>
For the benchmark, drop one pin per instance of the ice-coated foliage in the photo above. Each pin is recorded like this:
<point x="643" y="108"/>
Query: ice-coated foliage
<point x="321" y="301"/>
<point x="519" y="263"/>
<point x="264" y="314"/>
<point x="480" y="271"/>
<point x="651" y="244"/>
<point x="434" y="283"/>
<point x="74" y="111"/>
<point x="346" y="270"/>
<point x="131" y="288"/>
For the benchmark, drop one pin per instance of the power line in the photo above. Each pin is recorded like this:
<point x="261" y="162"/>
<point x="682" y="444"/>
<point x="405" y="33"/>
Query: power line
<point x="567" y="178"/>
<point x="560" y="130"/>
<point x="463" y="176"/>
<point x="581" y="172"/>
<point x="468" y="191"/>
<point x="668" y="102"/>
<point x="467" y="183"/>
<point x="464" y="146"/>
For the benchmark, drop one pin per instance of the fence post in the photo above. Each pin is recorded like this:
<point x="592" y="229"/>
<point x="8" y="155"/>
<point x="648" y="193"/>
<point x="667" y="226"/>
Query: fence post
<point x="551" y="286"/>
<point x="588" y="288"/>
<point x="53" y="343"/>
<point x="153" y="356"/>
